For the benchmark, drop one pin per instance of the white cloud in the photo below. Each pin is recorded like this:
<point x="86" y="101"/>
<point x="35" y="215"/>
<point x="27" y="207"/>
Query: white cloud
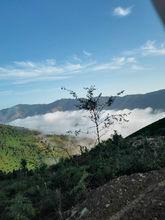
<point x="150" y="48"/>
<point x="61" y="122"/>
<point x="22" y="72"/>
<point x="76" y="58"/>
<point x="116" y="63"/>
<point x="87" y="53"/>
<point x="136" y="67"/>
<point x="28" y="71"/>
<point x="122" y="12"/>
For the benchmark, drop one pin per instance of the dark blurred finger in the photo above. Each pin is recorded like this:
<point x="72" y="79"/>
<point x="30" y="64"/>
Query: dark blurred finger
<point x="160" y="7"/>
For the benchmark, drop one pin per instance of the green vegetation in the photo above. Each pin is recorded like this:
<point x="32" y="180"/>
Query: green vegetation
<point x="17" y="144"/>
<point x="47" y="192"/>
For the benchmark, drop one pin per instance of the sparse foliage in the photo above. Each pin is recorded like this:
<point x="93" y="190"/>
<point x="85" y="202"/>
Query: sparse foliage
<point x="96" y="106"/>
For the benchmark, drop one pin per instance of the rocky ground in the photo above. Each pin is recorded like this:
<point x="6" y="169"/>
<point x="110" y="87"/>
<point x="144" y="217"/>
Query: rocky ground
<point x="135" y="197"/>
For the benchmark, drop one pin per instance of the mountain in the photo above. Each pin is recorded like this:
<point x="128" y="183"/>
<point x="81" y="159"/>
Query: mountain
<point x="154" y="100"/>
<point x="25" y="110"/>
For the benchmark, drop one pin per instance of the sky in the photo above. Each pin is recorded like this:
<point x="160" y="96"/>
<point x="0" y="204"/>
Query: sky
<point x="44" y="45"/>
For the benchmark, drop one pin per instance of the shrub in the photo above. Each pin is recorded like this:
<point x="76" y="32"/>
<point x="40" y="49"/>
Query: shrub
<point x="20" y="209"/>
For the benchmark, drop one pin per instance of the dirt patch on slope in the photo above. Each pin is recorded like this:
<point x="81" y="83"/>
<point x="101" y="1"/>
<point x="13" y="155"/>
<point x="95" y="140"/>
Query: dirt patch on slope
<point x="138" y="196"/>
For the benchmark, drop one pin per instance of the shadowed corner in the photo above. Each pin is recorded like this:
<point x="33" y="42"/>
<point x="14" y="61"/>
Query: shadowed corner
<point x="160" y="8"/>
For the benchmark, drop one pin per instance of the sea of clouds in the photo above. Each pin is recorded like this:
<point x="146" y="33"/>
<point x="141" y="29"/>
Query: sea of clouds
<point x="60" y="122"/>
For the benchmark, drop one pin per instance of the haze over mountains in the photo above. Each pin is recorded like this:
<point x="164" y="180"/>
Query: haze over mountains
<point x="155" y="100"/>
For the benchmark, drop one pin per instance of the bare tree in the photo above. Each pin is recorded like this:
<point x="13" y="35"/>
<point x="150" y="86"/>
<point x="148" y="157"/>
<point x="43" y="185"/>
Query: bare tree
<point x="96" y="106"/>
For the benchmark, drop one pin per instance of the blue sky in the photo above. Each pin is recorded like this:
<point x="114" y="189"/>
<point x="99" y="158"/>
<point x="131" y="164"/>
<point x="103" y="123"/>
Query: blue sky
<point x="116" y="44"/>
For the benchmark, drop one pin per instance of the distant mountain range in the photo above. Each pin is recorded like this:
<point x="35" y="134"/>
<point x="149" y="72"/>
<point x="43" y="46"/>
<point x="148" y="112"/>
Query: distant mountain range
<point x="155" y="100"/>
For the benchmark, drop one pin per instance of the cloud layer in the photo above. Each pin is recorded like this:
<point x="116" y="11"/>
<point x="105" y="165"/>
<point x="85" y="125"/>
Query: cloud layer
<point x="61" y="122"/>
<point x="23" y="72"/>
<point x="27" y="71"/>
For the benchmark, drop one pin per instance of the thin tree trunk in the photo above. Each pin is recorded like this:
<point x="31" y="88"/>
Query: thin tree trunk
<point x="97" y="127"/>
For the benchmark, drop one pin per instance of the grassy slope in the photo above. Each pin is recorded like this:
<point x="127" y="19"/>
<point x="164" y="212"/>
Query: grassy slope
<point x="19" y="143"/>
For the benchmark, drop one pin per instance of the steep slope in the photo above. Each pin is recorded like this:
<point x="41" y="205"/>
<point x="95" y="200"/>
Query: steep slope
<point x="155" y="129"/>
<point x="153" y="100"/>
<point x="138" y="196"/>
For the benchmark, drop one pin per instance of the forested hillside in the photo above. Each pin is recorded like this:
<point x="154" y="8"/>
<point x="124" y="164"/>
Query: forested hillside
<point x="19" y="144"/>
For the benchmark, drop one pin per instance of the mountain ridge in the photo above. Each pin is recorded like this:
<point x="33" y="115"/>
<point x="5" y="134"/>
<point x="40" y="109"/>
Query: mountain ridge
<point x="141" y="101"/>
